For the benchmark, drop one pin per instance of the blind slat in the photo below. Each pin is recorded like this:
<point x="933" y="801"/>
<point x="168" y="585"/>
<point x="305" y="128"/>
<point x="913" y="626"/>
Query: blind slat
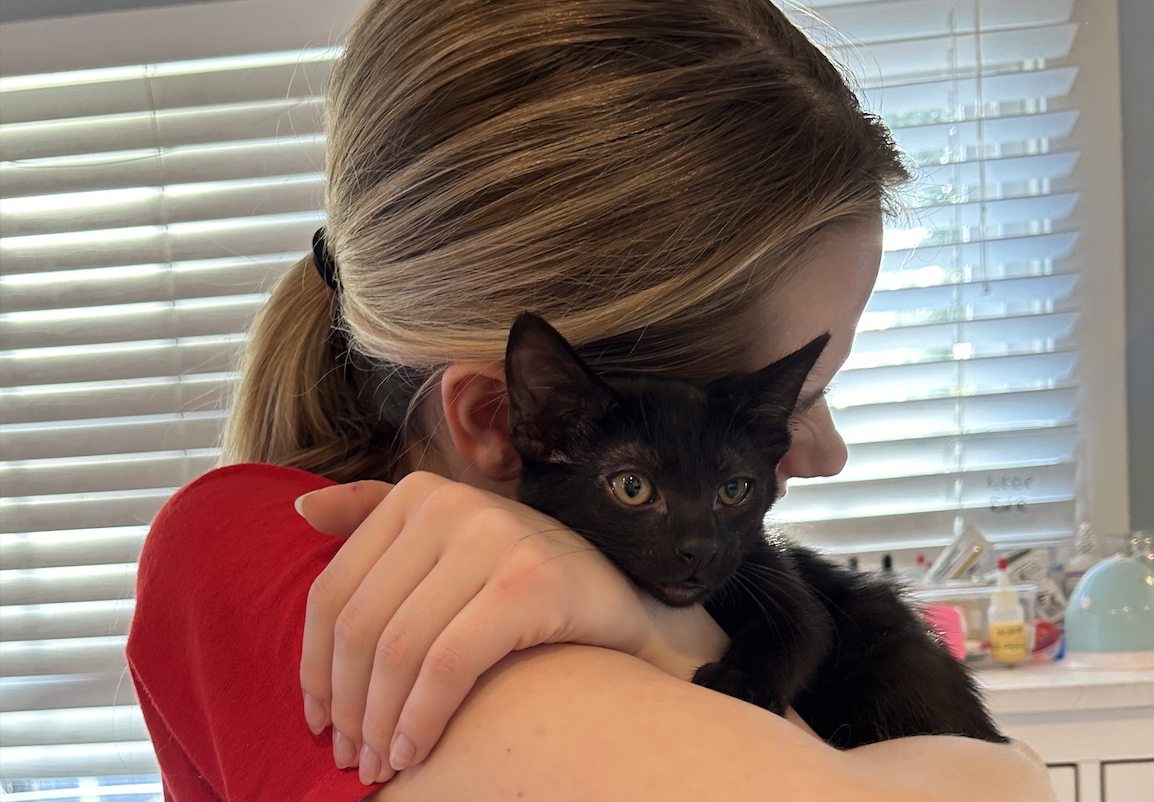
<point x="37" y="366"/>
<point x="950" y="136"/>
<point x="966" y="178"/>
<point x="205" y="278"/>
<point x="163" y="129"/>
<point x="886" y="459"/>
<point x="941" y="97"/>
<point x="129" y="323"/>
<point x="72" y="726"/>
<point x="1001" y="212"/>
<point x="74" y="583"/>
<point x="889" y="19"/>
<point x="987" y="337"/>
<point x="55" y="692"/>
<point x="64" y="620"/>
<point x="1033" y="248"/>
<point x="105" y="473"/>
<point x="112" y="436"/>
<point x="97" y="760"/>
<point x="154" y="206"/>
<point x="128" y="89"/>
<point x="995" y="412"/>
<point x="50" y="549"/>
<point x="179" y="242"/>
<point x="71" y="511"/>
<point x="72" y="656"/>
<point x="61" y="402"/>
<point x="914" y="494"/>
<point x="153" y="166"/>
<point x="973" y="293"/>
<point x="1044" y="524"/>
<point x="939" y="55"/>
<point x="953" y="378"/>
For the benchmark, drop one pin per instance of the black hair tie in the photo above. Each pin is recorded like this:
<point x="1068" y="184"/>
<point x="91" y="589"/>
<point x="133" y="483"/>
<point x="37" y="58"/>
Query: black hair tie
<point x="326" y="267"/>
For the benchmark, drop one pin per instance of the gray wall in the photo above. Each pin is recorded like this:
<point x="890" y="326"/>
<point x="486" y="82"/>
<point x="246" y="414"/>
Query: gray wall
<point x="1136" y="31"/>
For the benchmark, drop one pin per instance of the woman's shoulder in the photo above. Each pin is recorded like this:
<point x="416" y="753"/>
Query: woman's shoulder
<point x="219" y="529"/>
<point x="214" y="646"/>
<point x="241" y="485"/>
<point x="236" y="502"/>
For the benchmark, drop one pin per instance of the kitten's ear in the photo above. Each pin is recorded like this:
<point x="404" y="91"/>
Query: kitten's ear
<point x="772" y="392"/>
<point x="553" y="395"/>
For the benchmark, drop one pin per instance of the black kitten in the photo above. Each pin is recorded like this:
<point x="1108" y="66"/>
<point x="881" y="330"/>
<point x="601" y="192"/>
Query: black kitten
<point x="672" y="482"/>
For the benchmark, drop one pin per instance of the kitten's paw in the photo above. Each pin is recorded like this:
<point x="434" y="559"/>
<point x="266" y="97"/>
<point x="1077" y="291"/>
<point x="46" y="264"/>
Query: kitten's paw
<point x="739" y="684"/>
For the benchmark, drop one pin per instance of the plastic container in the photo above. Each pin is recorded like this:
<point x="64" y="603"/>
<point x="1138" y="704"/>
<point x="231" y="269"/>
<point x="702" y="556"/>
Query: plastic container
<point x="1110" y="619"/>
<point x="974" y="602"/>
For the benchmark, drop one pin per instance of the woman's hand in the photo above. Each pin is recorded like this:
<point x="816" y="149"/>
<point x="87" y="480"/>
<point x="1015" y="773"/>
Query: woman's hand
<point x="437" y="582"/>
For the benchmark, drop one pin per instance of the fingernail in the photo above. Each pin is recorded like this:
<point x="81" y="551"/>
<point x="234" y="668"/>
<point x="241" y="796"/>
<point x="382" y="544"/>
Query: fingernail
<point x="299" y="501"/>
<point x="370" y="765"/>
<point x="402" y="753"/>
<point x="344" y="751"/>
<point x="315" y="714"/>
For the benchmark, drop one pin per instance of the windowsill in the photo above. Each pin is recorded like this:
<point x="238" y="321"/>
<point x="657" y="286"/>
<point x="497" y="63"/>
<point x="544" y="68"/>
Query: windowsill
<point x="1057" y="688"/>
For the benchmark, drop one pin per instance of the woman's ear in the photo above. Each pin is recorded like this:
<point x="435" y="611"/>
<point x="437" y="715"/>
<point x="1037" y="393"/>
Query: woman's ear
<point x="476" y="406"/>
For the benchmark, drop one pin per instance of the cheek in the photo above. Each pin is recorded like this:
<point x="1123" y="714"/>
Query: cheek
<point x="817" y="449"/>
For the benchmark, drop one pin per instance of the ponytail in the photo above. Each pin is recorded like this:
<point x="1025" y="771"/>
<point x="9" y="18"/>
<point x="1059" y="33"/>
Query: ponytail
<point x="304" y="401"/>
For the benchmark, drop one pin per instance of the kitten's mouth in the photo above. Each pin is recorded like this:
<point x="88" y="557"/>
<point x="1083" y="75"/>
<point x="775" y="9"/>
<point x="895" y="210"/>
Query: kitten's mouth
<point x="683" y="594"/>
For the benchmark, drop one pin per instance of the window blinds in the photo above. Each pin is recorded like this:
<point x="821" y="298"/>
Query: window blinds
<point x="145" y="212"/>
<point x="959" y="399"/>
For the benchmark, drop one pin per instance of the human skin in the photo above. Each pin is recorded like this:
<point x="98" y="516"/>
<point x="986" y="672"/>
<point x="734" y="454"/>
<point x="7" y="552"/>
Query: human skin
<point x="662" y="736"/>
<point x="576" y="723"/>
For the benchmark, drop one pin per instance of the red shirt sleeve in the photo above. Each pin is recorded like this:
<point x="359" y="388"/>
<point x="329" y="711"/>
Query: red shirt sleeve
<point x="215" y="643"/>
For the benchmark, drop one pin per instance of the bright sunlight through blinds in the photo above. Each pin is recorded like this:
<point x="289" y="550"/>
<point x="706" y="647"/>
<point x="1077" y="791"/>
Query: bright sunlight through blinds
<point x="145" y="213"/>
<point x="958" y="402"/>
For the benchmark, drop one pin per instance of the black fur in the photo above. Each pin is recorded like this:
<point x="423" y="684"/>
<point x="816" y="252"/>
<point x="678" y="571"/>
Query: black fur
<point x="841" y="647"/>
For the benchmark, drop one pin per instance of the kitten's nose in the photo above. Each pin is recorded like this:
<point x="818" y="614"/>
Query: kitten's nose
<point x="697" y="552"/>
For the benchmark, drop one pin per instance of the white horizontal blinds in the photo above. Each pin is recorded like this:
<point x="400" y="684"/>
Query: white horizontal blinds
<point x="145" y="212"/>
<point x="958" y="401"/>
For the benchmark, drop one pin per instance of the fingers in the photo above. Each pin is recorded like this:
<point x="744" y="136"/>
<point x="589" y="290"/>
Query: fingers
<point x="403" y="648"/>
<point x="436" y="584"/>
<point x="335" y="586"/>
<point x="357" y="633"/>
<point x="491" y="626"/>
<point x="340" y="509"/>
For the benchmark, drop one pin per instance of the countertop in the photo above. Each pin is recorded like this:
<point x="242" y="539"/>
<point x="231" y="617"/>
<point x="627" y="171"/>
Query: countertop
<point x="1056" y="687"/>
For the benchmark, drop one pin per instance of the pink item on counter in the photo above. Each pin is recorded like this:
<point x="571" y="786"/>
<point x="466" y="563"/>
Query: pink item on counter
<point x="950" y="624"/>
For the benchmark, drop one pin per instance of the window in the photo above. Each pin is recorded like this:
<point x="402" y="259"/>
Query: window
<point x="960" y="401"/>
<point x="147" y="210"/>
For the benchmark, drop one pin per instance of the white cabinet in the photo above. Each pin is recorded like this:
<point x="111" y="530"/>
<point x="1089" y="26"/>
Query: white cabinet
<point x="1065" y="782"/>
<point x="1123" y="781"/>
<point x="1095" y="729"/>
<point x="1131" y="781"/>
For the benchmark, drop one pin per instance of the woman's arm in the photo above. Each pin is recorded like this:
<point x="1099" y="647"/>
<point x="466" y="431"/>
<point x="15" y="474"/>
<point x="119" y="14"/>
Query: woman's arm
<point x="954" y="769"/>
<point x="578" y="723"/>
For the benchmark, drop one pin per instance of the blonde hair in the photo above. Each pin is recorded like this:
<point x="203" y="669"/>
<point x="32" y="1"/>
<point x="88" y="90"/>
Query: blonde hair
<point x="639" y="173"/>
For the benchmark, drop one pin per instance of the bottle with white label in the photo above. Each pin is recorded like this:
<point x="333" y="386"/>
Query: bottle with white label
<point x="1007" y="619"/>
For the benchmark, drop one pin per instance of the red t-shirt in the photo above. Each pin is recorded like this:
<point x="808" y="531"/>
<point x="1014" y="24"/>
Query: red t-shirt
<point x="215" y="643"/>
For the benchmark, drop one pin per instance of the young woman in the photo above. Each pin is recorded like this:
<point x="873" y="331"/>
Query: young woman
<point x="681" y="187"/>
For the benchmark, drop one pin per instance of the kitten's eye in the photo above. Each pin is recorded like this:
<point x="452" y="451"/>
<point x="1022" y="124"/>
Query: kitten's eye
<point x="632" y="489"/>
<point x="733" y="492"/>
